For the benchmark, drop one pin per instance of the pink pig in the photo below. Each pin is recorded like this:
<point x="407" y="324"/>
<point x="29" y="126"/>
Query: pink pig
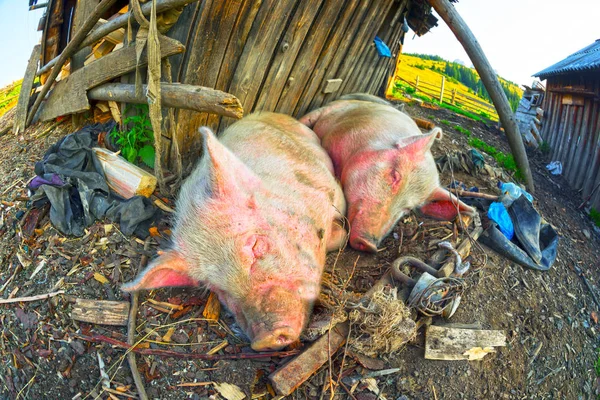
<point x="385" y="166"/>
<point x="254" y="222"/>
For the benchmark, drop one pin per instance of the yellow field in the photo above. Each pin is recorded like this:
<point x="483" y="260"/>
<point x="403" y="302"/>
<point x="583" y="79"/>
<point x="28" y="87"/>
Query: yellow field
<point x="410" y="67"/>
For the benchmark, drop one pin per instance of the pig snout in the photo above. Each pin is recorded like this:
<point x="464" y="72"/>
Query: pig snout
<point x="369" y="228"/>
<point x="277" y="320"/>
<point x="366" y="243"/>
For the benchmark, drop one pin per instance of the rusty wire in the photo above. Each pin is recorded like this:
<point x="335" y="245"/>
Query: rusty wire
<point x="438" y="295"/>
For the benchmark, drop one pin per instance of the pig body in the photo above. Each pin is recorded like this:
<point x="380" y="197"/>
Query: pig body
<point x="384" y="163"/>
<point x="254" y="222"/>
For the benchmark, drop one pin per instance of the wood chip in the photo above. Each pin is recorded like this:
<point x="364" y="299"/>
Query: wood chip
<point x="442" y="343"/>
<point x="100" y="278"/>
<point x="212" y="310"/>
<point x="102" y="312"/>
<point x="229" y="391"/>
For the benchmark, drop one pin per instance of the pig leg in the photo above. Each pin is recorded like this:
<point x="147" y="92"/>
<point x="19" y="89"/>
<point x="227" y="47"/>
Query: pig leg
<point x="443" y="205"/>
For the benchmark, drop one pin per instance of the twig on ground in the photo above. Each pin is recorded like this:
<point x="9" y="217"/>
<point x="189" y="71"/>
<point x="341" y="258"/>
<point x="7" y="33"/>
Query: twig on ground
<point x="31" y="298"/>
<point x="139" y="384"/>
<point x="175" y="354"/>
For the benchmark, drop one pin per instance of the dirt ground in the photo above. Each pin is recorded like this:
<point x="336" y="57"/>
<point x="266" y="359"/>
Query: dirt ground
<point x="550" y="318"/>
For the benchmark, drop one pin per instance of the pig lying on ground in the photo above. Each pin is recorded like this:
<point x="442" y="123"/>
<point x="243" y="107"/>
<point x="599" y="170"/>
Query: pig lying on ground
<point x="384" y="164"/>
<point x="254" y="222"/>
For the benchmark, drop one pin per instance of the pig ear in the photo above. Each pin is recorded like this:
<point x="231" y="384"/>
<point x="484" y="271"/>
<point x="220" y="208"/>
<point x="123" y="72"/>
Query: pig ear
<point x="419" y="144"/>
<point x="442" y="205"/>
<point x="228" y="174"/>
<point x="169" y="269"/>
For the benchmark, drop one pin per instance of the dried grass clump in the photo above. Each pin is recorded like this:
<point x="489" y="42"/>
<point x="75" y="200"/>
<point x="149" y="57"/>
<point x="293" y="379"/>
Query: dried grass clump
<point x="383" y="326"/>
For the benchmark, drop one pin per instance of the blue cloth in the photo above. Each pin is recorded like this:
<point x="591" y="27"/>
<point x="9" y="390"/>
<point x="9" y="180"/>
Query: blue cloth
<point x="498" y="213"/>
<point x="382" y="48"/>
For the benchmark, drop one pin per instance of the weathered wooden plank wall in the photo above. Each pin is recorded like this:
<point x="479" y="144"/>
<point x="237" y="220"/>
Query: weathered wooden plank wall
<point x="572" y="130"/>
<point x="277" y="55"/>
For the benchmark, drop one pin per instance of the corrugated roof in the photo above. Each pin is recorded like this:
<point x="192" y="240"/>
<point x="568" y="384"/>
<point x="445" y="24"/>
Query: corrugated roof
<point x="585" y="59"/>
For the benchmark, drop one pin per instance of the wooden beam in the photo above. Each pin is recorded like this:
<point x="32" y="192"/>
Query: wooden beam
<point x="464" y="35"/>
<point x="176" y="95"/>
<point x="71" y="48"/>
<point x="25" y="94"/>
<point x="119" y="22"/>
<point x="82" y="10"/>
<point x="69" y="95"/>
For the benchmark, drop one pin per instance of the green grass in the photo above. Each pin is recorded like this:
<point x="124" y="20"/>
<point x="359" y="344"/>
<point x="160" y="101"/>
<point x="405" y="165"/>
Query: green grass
<point x="462" y="130"/>
<point x="9" y="96"/>
<point x="506" y="161"/>
<point x="595" y="216"/>
<point x="445" y="122"/>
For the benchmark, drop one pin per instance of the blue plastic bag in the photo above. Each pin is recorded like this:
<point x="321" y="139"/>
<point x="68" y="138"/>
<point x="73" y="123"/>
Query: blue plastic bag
<point x="498" y="213"/>
<point x="382" y="48"/>
<point x="511" y="192"/>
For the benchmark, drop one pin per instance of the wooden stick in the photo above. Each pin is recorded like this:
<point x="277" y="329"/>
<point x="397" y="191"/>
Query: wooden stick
<point x="119" y="22"/>
<point x="71" y="49"/>
<point x="175" y="354"/>
<point x="174" y="95"/>
<point x="31" y="298"/>
<point x="490" y="80"/>
<point x="139" y="384"/>
<point x="465" y="193"/>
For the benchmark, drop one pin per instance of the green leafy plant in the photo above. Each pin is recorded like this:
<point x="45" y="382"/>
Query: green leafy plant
<point x="445" y="122"/>
<point x="545" y="147"/>
<point x="136" y="143"/>
<point x="595" y="216"/>
<point x="506" y="161"/>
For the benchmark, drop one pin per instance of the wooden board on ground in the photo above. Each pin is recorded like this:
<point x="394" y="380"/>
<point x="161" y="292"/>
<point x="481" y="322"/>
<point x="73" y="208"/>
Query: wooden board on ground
<point x="25" y="94"/>
<point x="101" y="312"/>
<point x="442" y="343"/>
<point x="70" y="95"/>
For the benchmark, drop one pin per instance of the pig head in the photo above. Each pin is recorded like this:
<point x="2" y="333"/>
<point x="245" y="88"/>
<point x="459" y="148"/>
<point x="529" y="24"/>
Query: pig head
<point x="253" y="224"/>
<point x="385" y="166"/>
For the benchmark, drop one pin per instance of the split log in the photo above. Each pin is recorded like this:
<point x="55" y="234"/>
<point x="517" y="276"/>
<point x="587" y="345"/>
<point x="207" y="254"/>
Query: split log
<point x="69" y="50"/>
<point x="119" y="22"/>
<point x="102" y="312"/>
<point x="124" y="178"/>
<point x="69" y="95"/>
<point x="423" y="123"/>
<point x="174" y="95"/>
<point x="466" y="38"/>
<point x="442" y="343"/>
<point x="286" y="379"/>
<point x="25" y="95"/>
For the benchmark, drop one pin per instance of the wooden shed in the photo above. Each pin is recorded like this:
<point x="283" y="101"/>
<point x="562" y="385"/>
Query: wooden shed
<point x="288" y="56"/>
<point x="572" y="114"/>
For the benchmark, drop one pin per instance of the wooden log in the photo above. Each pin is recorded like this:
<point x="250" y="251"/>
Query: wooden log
<point x="69" y="95"/>
<point x="174" y="95"/>
<point x="287" y="378"/>
<point x="572" y="162"/>
<point x="325" y="44"/>
<point x="82" y="10"/>
<point x="464" y="35"/>
<point x="69" y="50"/>
<point x="25" y="94"/>
<point x="124" y="178"/>
<point x="423" y="123"/>
<point x="286" y="55"/>
<point x="592" y="138"/>
<point x="442" y="343"/>
<point x="102" y="312"/>
<point x="117" y="23"/>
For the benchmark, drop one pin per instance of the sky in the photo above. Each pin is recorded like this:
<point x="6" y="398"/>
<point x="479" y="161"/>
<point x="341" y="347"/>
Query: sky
<point x="519" y="37"/>
<point x="18" y="35"/>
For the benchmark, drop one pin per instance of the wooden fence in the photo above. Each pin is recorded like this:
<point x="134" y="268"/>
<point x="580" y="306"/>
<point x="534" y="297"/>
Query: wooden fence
<point x="453" y="97"/>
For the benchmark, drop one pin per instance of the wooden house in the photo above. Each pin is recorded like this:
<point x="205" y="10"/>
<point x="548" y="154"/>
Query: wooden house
<point x="288" y="56"/>
<point x="572" y="114"/>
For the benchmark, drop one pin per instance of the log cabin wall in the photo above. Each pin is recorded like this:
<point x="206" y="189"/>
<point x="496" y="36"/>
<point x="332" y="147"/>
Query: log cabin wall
<point x="281" y="55"/>
<point x="572" y="129"/>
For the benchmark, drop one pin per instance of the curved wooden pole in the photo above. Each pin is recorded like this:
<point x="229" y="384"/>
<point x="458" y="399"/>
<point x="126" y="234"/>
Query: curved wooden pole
<point x="464" y="35"/>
